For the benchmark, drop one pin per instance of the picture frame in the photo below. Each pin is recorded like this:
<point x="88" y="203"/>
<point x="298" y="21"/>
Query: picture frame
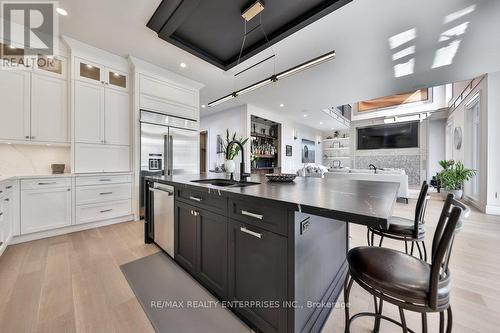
<point x="308" y="151"/>
<point x="288" y="151"/>
<point x="336" y="164"/>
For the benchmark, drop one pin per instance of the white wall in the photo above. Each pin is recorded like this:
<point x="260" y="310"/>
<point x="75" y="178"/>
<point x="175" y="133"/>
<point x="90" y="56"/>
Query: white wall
<point x="31" y="159"/>
<point x="217" y="123"/>
<point x="493" y="178"/>
<point x="239" y="120"/>
<point x="436" y="146"/>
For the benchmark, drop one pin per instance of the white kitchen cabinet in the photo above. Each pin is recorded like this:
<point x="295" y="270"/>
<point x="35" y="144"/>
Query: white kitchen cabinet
<point x="116" y="117"/>
<point x="14" y="105"/>
<point x="49" y="112"/>
<point x="89" y="113"/>
<point x="45" y="208"/>
<point x="6" y="220"/>
<point x="88" y="71"/>
<point x="101" y="158"/>
<point x="168" y="98"/>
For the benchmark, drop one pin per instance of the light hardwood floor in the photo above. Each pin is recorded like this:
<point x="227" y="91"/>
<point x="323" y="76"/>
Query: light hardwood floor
<point x="73" y="283"/>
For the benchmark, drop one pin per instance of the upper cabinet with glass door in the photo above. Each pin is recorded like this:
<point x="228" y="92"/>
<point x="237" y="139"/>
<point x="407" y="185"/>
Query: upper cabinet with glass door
<point x="55" y="66"/>
<point x="13" y="56"/>
<point x="100" y="74"/>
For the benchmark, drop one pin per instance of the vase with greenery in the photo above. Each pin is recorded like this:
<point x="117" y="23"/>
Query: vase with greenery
<point x="231" y="152"/>
<point x="453" y="177"/>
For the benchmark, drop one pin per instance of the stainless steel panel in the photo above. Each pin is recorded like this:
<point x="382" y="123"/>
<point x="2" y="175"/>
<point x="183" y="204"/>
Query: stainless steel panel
<point x="163" y="217"/>
<point x="183" y="151"/>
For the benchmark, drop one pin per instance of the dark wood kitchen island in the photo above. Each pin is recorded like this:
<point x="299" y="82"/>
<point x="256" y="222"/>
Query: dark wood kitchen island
<point x="274" y="252"/>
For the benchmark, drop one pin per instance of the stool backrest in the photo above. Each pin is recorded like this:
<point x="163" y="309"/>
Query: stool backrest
<point x="449" y="223"/>
<point x="421" y="208"/>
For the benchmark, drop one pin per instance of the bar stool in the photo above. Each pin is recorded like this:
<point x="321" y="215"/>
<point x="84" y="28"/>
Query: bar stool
<point x="405" y="281"/>
<point x="406" y="230"/>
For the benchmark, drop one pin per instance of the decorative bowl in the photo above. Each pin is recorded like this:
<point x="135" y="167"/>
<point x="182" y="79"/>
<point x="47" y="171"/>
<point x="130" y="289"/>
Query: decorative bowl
<point x="281" y="177"/>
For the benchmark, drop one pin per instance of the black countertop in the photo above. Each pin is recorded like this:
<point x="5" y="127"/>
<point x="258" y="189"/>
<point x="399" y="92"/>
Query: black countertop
<point x="362" y="202"/>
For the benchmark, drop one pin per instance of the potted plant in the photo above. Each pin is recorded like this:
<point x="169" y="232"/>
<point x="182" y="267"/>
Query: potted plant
<point x="232" y="152"/>
<point x="445" y="165"/>
<point x="453" y="177"/>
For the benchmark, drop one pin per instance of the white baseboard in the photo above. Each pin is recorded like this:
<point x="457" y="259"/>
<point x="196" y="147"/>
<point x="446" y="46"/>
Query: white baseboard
<point x="4" y="246"/>
<point x="69" y="229"/>
<point x="492" y="210"/>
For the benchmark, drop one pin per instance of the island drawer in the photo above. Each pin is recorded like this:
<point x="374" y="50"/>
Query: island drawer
<point x="260" y="213"/>
<point x="203" y="199"/>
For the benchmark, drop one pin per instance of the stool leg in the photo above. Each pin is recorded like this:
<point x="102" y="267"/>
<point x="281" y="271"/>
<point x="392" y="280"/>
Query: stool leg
<point x="347" y="291"/>
<point x="406" y="247"/>
<point x="425" y="251"/>
<point x="378" y="310"/>
<point x="368" y="236"/>
<point x="403" y="320"/>
<point x="373" y="238"/>
<point x="419" y="252"/>
<point x="424" y="322"/>
<point x="441" y="322"/>
<point x="381" y="240"/>
<point x="449" y="324"/>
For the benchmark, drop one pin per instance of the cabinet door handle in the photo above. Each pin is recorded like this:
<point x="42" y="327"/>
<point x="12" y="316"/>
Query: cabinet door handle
<point x="195" y="199"/>
<point x="6" y="199"/>
<point x="106" y="210"/>
<point x="51" y="183"/>
<point x="195" y="213"/>
<point x="27" y="137"/>
<point x="250" y="232"/>
<point x="1" y="214"/>
<point x="247" y="213"/>
<point x="105" y="193"/>
<point x="8" y="187"/>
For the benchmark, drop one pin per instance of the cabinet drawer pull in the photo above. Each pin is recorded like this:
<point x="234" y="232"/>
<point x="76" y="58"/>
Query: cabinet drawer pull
<point x="106" y="210"/>
<point x="105" y="193"/>
<point x="1" y="214"/>
<point x="105" y="179"/>
<point x="8" y="187"/>
<point x="195" y="199"/>
<point x="6" y="199"/>
<point x="250" y="232"/>
<point x="51" y="183"/>
<point x="257" y="216"/>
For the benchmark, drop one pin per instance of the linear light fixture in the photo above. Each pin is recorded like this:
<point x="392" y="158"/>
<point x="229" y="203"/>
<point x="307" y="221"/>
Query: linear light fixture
<point x="294" y="70"/>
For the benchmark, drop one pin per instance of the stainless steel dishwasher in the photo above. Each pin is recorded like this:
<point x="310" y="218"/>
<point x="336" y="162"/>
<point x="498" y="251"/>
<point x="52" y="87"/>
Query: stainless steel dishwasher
<point x="163" y="216"/>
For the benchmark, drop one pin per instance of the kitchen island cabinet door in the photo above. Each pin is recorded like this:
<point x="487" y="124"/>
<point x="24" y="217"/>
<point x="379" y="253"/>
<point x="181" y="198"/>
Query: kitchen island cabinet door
<point x="258" y="272"/>
<point x="212" y="247"/>
<point x="186" y="225"/>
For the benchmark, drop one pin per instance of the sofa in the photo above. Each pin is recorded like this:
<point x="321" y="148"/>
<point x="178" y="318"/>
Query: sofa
<point x="380" y="175"/>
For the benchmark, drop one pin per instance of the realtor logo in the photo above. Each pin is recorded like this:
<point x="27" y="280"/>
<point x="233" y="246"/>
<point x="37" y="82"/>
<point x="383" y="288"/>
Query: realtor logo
<point x="28" y="29"/>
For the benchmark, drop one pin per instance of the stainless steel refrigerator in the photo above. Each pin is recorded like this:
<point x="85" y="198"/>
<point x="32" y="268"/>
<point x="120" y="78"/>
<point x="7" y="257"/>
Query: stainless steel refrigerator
<point x="169" y="146"/>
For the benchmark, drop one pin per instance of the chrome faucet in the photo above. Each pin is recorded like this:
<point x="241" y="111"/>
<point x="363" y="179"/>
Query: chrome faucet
<point x="243" y="174"/>
<point x="371" y="166"/>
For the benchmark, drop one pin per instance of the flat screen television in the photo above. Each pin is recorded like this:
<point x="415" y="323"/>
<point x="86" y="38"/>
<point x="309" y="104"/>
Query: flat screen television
<point x="389" y="136"/>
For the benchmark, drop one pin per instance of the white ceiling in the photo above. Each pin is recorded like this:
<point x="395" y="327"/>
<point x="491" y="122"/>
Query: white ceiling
<point x="358" y="32"/>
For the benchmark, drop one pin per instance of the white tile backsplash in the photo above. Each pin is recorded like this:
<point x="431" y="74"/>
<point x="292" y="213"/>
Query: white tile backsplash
<point x="32" y="159"/>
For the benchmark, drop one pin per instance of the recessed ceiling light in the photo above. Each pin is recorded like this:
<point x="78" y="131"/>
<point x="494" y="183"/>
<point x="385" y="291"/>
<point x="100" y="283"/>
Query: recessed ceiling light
<point x="203" y="106"/>
<point x="321" y="123"/>
<point x="183" y="65"/>
<point x="305" y="116"/>
<point x="282" y="105"/>
<point x="61" y="11"/>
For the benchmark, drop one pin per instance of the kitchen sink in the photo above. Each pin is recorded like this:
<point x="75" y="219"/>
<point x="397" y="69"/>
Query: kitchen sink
<point x="224" y="182"/>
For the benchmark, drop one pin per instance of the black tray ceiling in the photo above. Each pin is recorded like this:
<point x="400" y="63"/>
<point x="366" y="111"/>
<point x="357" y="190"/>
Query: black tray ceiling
<point x="213" y="29"/>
